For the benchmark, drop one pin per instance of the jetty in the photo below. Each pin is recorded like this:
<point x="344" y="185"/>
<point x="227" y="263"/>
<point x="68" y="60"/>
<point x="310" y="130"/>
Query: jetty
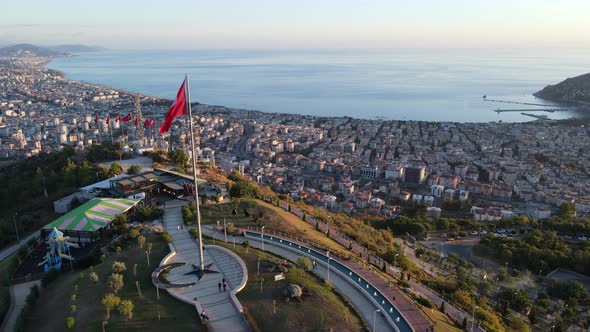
<point x="539" y="117"/>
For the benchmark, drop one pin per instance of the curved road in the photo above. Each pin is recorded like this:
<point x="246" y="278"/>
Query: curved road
<point x="358" y="297"/>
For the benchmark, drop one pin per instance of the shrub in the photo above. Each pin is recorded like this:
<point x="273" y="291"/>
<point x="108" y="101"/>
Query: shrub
<point x="188" y="214"/>
<point x="167" y="237"/>
<point x="23" y="316"/>
<point x="424" y="301"/>
<point x="194" y="233"/>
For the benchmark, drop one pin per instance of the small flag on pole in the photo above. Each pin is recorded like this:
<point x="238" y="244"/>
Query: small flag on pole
<point x="118" y="117"/>
<point x="127" y="118"/>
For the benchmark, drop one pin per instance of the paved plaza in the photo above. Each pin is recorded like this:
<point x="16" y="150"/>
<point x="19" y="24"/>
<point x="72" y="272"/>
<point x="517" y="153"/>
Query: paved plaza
<point x="222" y="307"/>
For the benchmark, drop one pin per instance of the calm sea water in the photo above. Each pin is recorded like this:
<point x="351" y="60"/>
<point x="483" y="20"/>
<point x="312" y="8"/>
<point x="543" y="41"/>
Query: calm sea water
<point x="402" y="84"/>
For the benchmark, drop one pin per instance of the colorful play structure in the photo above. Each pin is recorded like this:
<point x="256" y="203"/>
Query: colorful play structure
<point x="57" y="250"/>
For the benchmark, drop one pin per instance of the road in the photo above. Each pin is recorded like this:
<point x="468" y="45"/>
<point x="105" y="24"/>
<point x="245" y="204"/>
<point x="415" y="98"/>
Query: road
<point x="4" y="253"/>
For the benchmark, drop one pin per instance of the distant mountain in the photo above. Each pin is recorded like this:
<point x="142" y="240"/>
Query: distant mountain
<point x="77" y="48"/>
<point x="572" y="89"/>
<point x="29" y="50"/>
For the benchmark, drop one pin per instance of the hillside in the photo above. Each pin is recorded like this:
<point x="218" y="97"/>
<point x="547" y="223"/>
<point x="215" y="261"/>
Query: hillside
<point x="76" y="48"/>
<point x="28" y="50"/>
<point x="572" y="89"/>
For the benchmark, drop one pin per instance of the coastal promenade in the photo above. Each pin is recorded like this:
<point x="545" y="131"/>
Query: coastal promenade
<point x="222" y="307"/>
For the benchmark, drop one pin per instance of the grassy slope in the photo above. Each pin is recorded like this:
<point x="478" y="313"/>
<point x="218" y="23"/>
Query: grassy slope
<point x="54" y="304"/>
<point x="320" y="308"/>
<point x="274" y="218"/>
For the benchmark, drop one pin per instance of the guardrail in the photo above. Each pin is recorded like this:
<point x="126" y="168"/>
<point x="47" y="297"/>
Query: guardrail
<point x="352" y="274"/>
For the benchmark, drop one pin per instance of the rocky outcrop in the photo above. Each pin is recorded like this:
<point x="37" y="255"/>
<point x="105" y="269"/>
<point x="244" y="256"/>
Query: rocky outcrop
<point x="575" y="89"/>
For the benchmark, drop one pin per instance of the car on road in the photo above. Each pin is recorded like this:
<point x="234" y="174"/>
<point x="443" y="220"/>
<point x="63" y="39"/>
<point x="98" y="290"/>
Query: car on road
<point x="484" y="232"/>
<point x="474" y="233"/>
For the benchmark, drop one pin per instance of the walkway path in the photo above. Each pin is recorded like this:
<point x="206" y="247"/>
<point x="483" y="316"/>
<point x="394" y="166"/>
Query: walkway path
<point x="223" y="309"/>
<point x="18" y="295"/>
<point x="357" y="297"/>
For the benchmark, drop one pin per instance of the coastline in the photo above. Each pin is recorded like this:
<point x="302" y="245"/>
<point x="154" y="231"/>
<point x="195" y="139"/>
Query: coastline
<point x="368" y="117"/>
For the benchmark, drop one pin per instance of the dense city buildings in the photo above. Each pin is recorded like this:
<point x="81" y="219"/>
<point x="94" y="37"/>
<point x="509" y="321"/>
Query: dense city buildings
<point x="341" y="164"/>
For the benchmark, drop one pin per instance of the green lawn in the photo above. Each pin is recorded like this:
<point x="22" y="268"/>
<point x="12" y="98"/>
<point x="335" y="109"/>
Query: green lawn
<point x="53" y="306"/>
<point x="320" y="309"/>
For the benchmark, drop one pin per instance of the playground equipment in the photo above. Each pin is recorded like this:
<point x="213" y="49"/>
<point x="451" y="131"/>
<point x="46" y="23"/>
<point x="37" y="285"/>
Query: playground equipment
<point x="58" y="249"/>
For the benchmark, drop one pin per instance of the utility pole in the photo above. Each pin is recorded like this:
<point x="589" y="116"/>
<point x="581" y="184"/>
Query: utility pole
<point x="15" y="227"/>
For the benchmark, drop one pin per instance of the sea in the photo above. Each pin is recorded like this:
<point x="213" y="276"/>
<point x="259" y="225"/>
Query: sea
<point x="391" y="84"/>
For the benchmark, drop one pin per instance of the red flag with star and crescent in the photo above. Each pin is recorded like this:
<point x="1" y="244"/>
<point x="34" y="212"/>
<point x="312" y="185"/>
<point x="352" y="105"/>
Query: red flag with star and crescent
<point x="118" y="117"/>
<point x="178" y="108"/>
<point x="127" y="118"/>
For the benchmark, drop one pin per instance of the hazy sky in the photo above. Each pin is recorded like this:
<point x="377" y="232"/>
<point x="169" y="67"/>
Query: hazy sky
<point x="298" y="23"/>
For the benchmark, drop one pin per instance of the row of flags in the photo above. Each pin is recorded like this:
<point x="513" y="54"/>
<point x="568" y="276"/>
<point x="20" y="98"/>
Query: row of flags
<point x="147" y="123"/>
<point x="179" y="107"/>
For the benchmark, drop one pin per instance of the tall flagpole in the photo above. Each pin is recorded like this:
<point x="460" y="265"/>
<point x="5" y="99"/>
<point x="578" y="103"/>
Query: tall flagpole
<point x="190" y="117"/>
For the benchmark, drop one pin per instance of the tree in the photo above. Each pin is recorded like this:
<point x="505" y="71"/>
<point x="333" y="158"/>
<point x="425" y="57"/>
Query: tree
<point x="126" y="309"/>
<point x="115" y="282"/>
<point x="119" y="267"/>
<point x="118" y="249"/>
<point x="178" y="157"/>
<point x="133" y="169"/>
<point x="141" y="241"/>
<point x="94" y="277"/>
<point x="149" y="247"/>
<point x="464" y="323"/>
<point x="115" y="169"/>
<point x="567" y="211"/>
<point x="110" y="302"/>
<point x="304" y="263"/>
<point x="517" y="325"/>
<point x="70" y="322"/>
<point x="533" y="316"/>
<point x="245" y="188"/>
<point x="442" y="307"/>
<point x="134" y="233"/>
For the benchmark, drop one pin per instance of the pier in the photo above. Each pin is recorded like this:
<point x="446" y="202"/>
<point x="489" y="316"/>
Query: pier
<point x="553" y="110"/>
<point x="516" y="102"/>
<point x="538" y="117"/>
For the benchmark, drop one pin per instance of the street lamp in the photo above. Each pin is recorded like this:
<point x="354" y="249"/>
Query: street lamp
<point x="473" y="317"/>
<point x="15" y="228"/>
<point x="394" y="259"/>
<point x="224" y="230"/>
<point x="262" y="237"/>
<point x="147" y="255"/>
<point x="375" y="319"/>
<point x="329" y="258"/>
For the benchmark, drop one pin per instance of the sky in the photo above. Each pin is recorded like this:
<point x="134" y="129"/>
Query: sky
<point x="299" y="23"/>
